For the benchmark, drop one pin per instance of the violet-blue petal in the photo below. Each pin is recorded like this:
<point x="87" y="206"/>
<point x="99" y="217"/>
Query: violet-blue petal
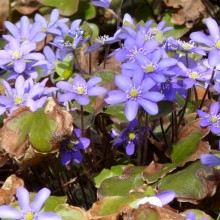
<point x="77" y="156"/>
<point x="34" y="56"/>
<point x="83" y="99"/>
<point x="153" y="96"/>
<point x="4" y="100"/>
<point x="13" y="29"/>
<point x="8" y="88"/>
<point x="79" y="80"/>
<point x="215" y="129"/>
<point x="39" y="199"/>
<point x="147" y="84"/>
<point x="210" y="160"/>
<point x="23" y="198"/>
<point x="65" y="86"/>
<point x="119" y="141"/>
<point x="200" y="37"/>
<point x="48" y="216"/>
<point x="66" y="158"/>
<point x="166" y="196"/>
<point x="4" y="55"/>
<point x="214" y="57"/>
<point x="213" y="28"/>
<point x="121" y="54"/>
<point x="85" y="142"/>
<point x="190" y="216"/>
<point x="130" y="148"/>
<point x="115" y="97"/>
<point x="214" y="108"/>
<point x="54" y="16"/>
<point x="149" y="107"/>
<point x="201" y="113"/>
<point x="19" y="66"/>
<point x="150" y="45"/>
<point x="24" y="26"/>
<point x="167" y="62"/>
<point x="96" y="91"/>
<point x="19" y="85"/>
<point x="204" y="122"/>
<point x="9" y="212"/>
<point x="27" y="47"/>
<point x="131" y="109"/>
<point x="66" y="97"/>
<point x="122" y="82"/>
<point x="93" y="81"/>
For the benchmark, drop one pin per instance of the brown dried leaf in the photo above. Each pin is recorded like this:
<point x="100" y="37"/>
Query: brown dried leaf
<point x="8" y="189"/>
<point x="27" y="8"/>
<point x="4" y="6"/>
<point x="173" y="3"/>
<point x="191" y="127"/>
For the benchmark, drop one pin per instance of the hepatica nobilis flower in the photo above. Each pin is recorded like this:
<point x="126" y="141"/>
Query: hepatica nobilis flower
<point x="210" y="160"/>
<point x="80" y="90"/>
<point x="129" y="136"/>
<point x="212" y="41"/>
<point x="18" y="55"/>
<point x="211" y="119"/>
<point x="29" y="210"/>
<point x="71" y="149"/>
<point x="134" y="92"/>
<point x="25" y="93"/>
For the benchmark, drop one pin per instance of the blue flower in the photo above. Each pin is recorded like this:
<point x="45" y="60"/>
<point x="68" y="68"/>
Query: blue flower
<point x="212" y="119"/>
<point x="212" y="41"/>
<point x="18" y="55"/>
<point x="101" y="3"/>
<point x="210" y="160"/>
<point x="29" y="211"/>
<point x="70" y="149"/>
<point x="80" y="90"/>
<point x="134" y="92"/>
<point x="24" y="31"/>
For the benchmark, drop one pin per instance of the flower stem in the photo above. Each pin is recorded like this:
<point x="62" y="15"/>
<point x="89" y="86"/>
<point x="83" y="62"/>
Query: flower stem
<point x="77" y="62"/>
<point x="146" y="135"/>
<point x="163" y="133"/>
<point x="139" y="153"/>
<point x="82" y="119"/>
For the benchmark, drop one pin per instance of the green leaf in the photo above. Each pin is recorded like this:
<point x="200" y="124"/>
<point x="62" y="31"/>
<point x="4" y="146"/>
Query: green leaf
<point x="185" y="147"/>
<point x="68" y="212"/>
<point x="190" y="184"/>
<point x="35" y="125"/>
<point x="106" y="173"/>
<point x="66" y="7"/>
<point x="121" y="185"/>
<point x="116" y="111"/>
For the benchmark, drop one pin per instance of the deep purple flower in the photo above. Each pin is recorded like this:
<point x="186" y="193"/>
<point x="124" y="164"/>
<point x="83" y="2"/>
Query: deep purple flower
<point x="70" y="149"/>
<point x="52" y="25"/>
<point x="101" y="3"/>
<point x="79" y="90"/>
<point x="210" y="160"/>
<point x="212" y="119"/>
<point x="129" y="136"/>
<point x="161" y="199"/>
<point x="29" y="210"/>
<point x="18" y="55"/>
<point x="212" y="41"/>
<point x="25" y="93"/>
<point x="134" y="92"/>
<point x="24" y="31"/>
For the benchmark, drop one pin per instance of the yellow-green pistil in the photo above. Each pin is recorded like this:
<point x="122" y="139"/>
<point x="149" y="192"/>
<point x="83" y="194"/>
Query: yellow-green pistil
<point x="186" y="46"/>
<point x="18" y="100"/>
<point x="29" y="216"/>
<point x="217" y="44"/>
<point x="149" y="68"/>
<point x="134" y="93"/>
<point x="194" y="75"/>
<point x="16" y="54"/>
<point x="214" y="119"/>
<point x="131" y="136"/>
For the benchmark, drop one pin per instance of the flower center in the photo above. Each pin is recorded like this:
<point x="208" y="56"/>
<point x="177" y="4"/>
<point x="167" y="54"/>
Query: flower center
<point x="194" y="75"/>
<point x="214" y="119"/>
<point x="135" y="51"/>
<point x="29" y="216"/>
<point x="217" y="44"/>
<point x="16" y="54"/>
<point x="134" y="93"/>
<point x="43" y="29"/>
<point x="186" y="46"/>
<point x="80" y="89"/>
<point x="149" y="68"/>
<point x="18" y="100"/>
<point x="131" y="136"/>
<point x="68" y="40"/>
<point x="102" y="39"/>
